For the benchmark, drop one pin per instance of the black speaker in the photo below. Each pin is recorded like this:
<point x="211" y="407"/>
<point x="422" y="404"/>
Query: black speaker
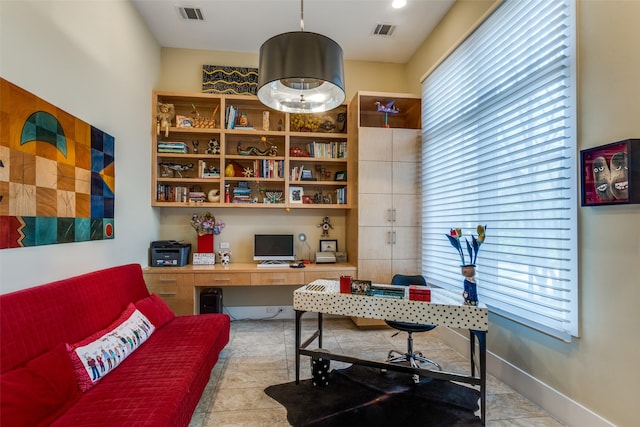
<point x="211" y="300"/>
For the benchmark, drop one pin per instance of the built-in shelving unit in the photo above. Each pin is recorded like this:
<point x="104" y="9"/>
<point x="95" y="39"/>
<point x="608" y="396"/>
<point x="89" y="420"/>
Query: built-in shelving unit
<point x="250" y="155"/>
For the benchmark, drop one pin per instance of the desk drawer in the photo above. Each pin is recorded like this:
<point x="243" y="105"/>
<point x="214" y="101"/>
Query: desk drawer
<point x="277" y="278"/>
<point x="222" y="279"/>
<point x="165" y="285"/>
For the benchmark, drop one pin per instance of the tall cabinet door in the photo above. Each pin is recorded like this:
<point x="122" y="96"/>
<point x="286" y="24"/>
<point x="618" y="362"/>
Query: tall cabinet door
<point x="388" y="200"/>
<point x="405" y="255"/>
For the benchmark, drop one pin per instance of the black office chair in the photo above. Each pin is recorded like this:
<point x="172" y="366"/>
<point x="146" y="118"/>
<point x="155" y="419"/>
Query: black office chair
<point x="411" y="356"/>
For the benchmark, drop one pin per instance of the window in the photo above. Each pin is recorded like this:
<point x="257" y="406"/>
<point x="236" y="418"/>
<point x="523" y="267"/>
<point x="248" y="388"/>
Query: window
<point x="499" y="148"/>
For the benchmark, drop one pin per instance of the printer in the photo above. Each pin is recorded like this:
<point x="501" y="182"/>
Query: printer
<point x="169" y="253"/>
<point x="325" y="257"/>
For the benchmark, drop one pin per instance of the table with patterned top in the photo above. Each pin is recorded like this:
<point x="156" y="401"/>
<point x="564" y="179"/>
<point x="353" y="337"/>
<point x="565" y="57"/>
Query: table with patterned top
<point x="445" y="309"/>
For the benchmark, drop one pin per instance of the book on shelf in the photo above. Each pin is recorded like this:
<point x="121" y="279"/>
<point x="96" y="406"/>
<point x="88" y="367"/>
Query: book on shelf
<point x="230" y="116"/>
<point x="268" y="168"/>
<point x="171" y="193"/>
<point x="328" y="150"/>
<point x="341" y="195"/>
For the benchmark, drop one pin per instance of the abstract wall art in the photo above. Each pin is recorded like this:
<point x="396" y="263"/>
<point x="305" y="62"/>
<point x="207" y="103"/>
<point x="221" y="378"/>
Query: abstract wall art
<point x="57" y="174"/>
<point x="229" y="80"/>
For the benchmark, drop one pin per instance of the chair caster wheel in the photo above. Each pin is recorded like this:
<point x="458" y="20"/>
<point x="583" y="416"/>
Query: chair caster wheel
<point x="416" y="378"/>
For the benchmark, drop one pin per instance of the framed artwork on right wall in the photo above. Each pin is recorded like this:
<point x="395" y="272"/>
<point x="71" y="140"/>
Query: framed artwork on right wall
<point x="610" y="174"/>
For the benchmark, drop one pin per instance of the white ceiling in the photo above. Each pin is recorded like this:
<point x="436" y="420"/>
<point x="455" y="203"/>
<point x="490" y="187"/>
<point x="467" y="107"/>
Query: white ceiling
<point x="243" y="25"/>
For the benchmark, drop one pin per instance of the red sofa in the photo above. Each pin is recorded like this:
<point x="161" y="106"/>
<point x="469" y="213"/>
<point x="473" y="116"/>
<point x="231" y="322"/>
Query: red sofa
<point x="158" y="384"/>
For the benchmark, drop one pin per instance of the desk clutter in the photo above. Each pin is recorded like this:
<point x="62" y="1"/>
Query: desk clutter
<point x="349" y="285"/>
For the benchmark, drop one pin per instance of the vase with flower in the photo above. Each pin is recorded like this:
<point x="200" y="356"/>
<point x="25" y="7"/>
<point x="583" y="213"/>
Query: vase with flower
<point x="206" y="227"/>
<point x="468" y="269"/>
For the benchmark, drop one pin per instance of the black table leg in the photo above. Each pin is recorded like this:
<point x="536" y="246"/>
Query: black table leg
<point x="298" y="343"/>
<point x="319" y="330"/>
<point x="482" y="369"/>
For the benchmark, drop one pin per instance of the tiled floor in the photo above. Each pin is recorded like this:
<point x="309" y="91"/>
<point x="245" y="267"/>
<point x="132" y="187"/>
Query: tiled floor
<point x="261" y="353"/>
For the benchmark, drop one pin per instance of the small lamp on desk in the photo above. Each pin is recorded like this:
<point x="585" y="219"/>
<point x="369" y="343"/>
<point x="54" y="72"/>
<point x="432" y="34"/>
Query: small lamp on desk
<point x="303" y="238"/>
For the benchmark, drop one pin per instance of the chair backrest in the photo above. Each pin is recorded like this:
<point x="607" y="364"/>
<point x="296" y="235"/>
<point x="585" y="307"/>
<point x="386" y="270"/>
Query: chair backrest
<point x="406" y="280"/>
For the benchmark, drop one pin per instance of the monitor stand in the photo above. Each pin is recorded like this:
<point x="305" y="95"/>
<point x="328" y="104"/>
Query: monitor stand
<point x="273" y="264"/>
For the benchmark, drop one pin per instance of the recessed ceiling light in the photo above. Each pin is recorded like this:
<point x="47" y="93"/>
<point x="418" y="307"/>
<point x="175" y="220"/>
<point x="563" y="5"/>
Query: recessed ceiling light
<point x="399" y="4"/>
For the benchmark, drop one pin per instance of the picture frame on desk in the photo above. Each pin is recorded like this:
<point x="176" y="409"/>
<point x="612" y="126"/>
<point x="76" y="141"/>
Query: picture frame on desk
<point x="361" y="287"/>
<point x="295" y="195"/>
<point x="328" y="246"/>
<point x="609" y="174"/>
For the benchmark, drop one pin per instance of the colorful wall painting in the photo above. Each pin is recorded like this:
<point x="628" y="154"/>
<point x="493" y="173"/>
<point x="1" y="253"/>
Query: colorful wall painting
<point x="57" y="174"/>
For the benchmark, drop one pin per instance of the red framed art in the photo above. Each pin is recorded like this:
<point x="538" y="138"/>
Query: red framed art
<point x="610" y="174"/>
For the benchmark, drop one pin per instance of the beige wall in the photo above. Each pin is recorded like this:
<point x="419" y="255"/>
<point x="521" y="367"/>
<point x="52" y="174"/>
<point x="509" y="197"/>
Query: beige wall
<point x="599" y="369"/>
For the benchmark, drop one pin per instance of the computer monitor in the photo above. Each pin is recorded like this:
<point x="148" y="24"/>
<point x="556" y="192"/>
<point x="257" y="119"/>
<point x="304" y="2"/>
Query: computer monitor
<point x="273" y="247"/>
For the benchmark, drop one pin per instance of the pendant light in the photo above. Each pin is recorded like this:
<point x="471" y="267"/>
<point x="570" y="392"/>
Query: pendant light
<point x="301" y="72"/>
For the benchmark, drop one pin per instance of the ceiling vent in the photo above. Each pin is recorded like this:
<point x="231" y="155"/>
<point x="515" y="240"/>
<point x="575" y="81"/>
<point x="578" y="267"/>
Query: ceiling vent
<point x="385" y="30"/>
<point x="190" y="13"/>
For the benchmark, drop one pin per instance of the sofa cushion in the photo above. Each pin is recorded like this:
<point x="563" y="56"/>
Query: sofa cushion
<point x="39" y="392"/>
<point x="155" y="309"/>
<point x="160" y="384"/>
<point x="97" y="355"/>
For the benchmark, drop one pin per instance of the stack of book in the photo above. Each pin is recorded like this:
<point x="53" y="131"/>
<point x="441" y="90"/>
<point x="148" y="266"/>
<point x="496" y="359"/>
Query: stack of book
<point x="172" y="147"/>
<point x="197" y="196"/>
<point x="242" y="194"/>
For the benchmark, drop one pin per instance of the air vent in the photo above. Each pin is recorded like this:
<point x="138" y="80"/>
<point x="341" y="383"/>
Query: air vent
<point x="190" y="13"/>
<point x="385" y="30"/>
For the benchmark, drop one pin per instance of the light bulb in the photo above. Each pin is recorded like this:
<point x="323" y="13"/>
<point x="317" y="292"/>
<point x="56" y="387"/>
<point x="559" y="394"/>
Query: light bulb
<point x="398" y="4"/>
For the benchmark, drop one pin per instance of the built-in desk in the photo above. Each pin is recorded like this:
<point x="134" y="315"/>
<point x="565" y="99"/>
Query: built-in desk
<point x="180" y="287"/>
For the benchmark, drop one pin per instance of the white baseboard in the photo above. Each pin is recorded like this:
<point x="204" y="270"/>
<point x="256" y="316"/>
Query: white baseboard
<point x="260" y="312"/>
<point x="561" y="407"/>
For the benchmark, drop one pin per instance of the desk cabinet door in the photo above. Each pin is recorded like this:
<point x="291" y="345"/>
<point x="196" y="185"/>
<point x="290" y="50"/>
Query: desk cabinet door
<point x="174" y="289"/>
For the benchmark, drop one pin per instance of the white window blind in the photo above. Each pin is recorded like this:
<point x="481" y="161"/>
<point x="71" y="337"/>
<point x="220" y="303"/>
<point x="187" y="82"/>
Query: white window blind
<point x="499" y="148"/>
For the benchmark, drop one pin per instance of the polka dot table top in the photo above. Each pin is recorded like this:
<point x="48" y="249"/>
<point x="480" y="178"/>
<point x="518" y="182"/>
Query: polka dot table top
<point x="445" y="309"/>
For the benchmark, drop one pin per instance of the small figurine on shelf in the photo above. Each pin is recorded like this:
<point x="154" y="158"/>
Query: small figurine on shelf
<point x="243" y="120"/>
<point x="214" y="147"/>
<point x="342" y="122"/>
<point x="227" y="194"/>
<point x="195" y="144"/>
<point x="387" y="109"/>
<point x="164" y="114"/>
<point x="225" y="257"/>
<point x="326" y="226"/>
<point x="176" y="168"/>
